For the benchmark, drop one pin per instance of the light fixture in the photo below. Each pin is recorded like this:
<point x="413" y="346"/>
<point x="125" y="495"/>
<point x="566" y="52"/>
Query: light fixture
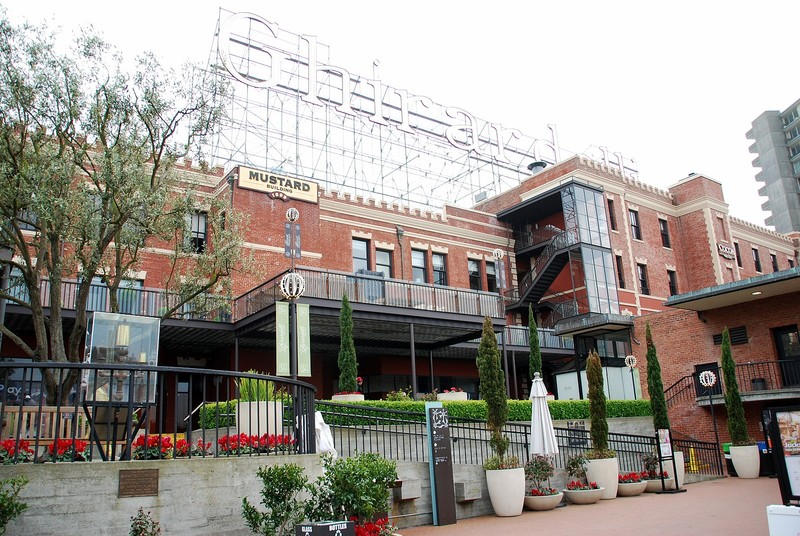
<point x="400" y="232"/>
<point x="756" y="293"/>
<point x="123" y="335"/>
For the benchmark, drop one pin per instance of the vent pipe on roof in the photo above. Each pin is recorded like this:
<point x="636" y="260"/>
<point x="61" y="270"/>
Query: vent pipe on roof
<point x="536" y="167"/>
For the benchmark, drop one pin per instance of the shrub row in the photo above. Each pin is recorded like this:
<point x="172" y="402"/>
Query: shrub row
<point x="518" y="410"/>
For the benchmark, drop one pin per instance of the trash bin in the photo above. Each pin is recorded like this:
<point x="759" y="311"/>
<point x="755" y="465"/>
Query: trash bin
<point x="767" y="467"/>
<point x="726" y="449"/>
<point x="758" y="384"/>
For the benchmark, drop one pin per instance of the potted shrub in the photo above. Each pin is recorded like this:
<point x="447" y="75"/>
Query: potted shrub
<point x="541" y="496"/>
<point x="259" y="409"/>
<point x="348" y="365"/>
<point x="653" y="475"/>
<point x="744" y="451"/>
<point x="602" y="464"/>
<point x="579" y="489"/>
<point x="504" y="476"/>
<point x="630" y="484"/>
<point x="658" y="404"/>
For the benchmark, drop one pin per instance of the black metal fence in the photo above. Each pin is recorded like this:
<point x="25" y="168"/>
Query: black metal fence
<point x="75" y="412"/>
<point x="401" y="435"/>
<point x="752" y="378"/>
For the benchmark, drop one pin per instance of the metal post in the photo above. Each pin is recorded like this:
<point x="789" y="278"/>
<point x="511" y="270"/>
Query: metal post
<point x="505" y="364"/>
<point x="4" y="280"/>
<point x="413" y="363"/>
<point x="293" y="338"/>
<point x="708" y="380"/>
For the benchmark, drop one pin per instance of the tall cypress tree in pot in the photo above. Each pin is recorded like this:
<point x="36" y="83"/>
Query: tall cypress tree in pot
<point x="655" y="386"/>
<point x="602" y="465"/>
<point x="744" y="453"/>
<point x="504" y="476"/>
<point x="348" y="366"/>
<point x="535" y="363"/>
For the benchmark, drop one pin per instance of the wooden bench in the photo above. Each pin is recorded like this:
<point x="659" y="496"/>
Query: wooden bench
<point x="43" y="424"/>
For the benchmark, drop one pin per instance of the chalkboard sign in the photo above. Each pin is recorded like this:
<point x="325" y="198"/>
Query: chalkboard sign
<point x="441" y="464"/>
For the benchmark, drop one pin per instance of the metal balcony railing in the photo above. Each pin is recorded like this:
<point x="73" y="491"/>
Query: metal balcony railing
<point x="524" y="240"/>
<point x="752" y="379"/>
<point x="373" y="290"/>
<point x="131" y="300"/>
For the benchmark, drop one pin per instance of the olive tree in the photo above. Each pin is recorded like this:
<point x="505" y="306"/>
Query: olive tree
<point x="88" y="178"/>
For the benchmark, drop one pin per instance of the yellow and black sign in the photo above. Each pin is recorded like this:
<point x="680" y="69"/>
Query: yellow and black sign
<point x="264" y="181"/>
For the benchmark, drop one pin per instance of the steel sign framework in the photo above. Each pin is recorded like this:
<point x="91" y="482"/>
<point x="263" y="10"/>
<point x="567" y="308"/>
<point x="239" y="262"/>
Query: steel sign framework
<point x="293" y="112"/>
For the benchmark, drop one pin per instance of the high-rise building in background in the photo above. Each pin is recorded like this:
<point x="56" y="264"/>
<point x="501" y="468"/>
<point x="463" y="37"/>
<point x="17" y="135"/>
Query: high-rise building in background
<point x="776" y="137"/>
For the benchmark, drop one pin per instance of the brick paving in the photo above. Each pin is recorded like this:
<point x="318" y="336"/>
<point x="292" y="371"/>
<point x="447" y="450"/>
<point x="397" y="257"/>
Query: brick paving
<point x="723" y="507"/>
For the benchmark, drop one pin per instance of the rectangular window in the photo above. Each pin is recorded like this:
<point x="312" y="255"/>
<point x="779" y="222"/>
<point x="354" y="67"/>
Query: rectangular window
<point x="360" y="255"/>
<point x="663" y="226"/>
<point x="439" y="263"/>
<point x="491" y="277"/>
<point x="774" y="260"/>
<point x="419" y="267"/>
<point x="756" y="259"/>
<point x="474" y="267"/>
<point x="636" y="231"/>
<point x="641" y="270"/>
<point x="738" y="255"/>
<point x="673" y="282"/>
<point x="612" y="219"/>
<point x="383" y="262"/>
<point x="198" y="232"/>
<point x="620" y="273"/>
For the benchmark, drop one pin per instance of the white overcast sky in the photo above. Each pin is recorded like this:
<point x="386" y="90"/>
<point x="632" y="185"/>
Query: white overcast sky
<point x="674" y="85"/>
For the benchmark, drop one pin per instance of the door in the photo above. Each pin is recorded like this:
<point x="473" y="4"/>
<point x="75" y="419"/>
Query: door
<point x="787" y="347"/>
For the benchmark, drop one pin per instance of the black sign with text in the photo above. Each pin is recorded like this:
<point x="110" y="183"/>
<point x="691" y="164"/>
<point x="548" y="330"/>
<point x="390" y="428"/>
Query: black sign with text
<point x="441" y="462"/>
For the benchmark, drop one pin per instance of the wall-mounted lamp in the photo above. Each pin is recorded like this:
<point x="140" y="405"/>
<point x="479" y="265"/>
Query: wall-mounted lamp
<point x="400" y="232"/>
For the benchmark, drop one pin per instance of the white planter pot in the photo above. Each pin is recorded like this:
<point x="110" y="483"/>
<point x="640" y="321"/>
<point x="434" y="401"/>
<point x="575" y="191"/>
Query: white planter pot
<point x="351" y="397"/>
<point x="259" y="418"/>
<point x="584" y="496"/>
<point x="506" y="491"/>
<point x="680" y="468"/>
<point x="654" y="485"/>
<point x="540" y="503"/>
<point x="452" y="396"/>
<point x="606" y="473"/>
<point x="746" y="461"/>
<point x="631" y="489"/>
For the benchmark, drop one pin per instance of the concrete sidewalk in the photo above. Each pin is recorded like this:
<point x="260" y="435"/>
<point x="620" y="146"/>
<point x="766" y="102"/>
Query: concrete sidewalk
<point x="724" y="507"/>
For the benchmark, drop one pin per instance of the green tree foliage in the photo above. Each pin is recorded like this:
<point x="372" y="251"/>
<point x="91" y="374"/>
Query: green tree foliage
<point x="348" y="365"/>
<point x="737" y="424"/>
<point x="535" y="363"/>
<point x="282" y="496"/>
<point x="88" y="178"/>
<point x="493" y="388"/>
<point x="655" y="386"/>
<point x="597" y="403"/>
<point x="10" y="504"/>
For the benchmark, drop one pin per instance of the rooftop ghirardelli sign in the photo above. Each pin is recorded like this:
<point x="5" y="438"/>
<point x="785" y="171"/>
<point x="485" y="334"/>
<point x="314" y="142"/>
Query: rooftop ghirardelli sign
<point x="256" y="52"/>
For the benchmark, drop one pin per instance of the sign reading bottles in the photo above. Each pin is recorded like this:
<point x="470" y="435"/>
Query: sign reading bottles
<point x="264" y="181"/>
<point x="282" y="342"/>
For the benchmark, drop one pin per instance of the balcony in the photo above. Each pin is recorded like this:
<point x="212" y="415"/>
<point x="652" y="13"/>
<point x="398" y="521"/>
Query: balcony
<point x="366" y="289"/>
<point x="769" y="380"/>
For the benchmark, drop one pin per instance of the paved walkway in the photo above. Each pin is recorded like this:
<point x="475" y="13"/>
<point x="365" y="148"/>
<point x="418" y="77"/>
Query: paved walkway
<point x="724" y="507"/>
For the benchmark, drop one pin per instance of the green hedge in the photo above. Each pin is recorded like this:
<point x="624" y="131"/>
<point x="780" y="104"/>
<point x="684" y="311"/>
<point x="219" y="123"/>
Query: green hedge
<point x="214" y="415"/>
<point x="518" y="410"/>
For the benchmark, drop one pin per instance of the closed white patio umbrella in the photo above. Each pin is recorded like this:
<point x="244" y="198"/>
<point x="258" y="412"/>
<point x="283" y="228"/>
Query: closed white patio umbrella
<point x="543" y="436"/>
